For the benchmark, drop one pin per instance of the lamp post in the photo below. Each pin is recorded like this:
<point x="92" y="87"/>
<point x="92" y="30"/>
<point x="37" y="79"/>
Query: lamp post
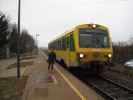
<point x="18" y="41"/>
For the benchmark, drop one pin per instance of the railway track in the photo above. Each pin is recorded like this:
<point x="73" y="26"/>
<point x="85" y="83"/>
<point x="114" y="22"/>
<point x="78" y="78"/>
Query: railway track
<point x="106" y="87"/>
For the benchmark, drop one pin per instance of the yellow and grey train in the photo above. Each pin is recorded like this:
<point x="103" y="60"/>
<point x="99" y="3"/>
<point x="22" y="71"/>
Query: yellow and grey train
<point x="84" y="46"/>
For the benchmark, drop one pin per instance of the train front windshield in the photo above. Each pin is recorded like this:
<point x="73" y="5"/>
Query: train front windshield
<point x="90" y="38"/>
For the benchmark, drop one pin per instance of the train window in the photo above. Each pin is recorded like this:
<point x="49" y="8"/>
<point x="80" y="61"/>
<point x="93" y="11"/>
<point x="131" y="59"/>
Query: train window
<point x="64" y="43"/>
<point x="93" y="39"/>
<point x="72" y="43"/>
<point x="56" y="45"/>
<point x="68" y="42"/>
<point x="59" y="44"/>
<point x="65" y="46"/>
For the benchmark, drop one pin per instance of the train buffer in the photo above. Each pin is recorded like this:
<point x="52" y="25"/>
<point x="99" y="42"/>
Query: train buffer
<point x="57" y="85"/>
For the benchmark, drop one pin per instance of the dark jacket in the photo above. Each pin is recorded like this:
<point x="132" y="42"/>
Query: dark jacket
<point x="52" y="57"/>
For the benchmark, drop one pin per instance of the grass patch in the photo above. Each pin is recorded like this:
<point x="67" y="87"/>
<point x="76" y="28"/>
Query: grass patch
<point x="22" y="64"/>
<point x="12" y="88"/>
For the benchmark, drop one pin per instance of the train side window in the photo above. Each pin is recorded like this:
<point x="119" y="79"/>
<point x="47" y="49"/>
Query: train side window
<point x="68" y="42"/>
<point x="55" y="45"/>
<point x="64" y="43"/>
<point x="59" y="44"/>
<point x="62" y="48"/>
<point x="72" y="48"/>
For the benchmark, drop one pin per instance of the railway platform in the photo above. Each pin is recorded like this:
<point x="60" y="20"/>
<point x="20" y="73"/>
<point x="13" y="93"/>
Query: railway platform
<point x="57" y="85"/>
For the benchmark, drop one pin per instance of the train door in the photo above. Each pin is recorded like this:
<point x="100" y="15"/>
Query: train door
<point x="70" y="50"/>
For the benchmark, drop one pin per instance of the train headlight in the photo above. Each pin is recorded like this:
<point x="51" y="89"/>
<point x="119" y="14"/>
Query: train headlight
<point x="109" y="55"/>
<point x="81" y="55"/>
<point x="94" y="25"/>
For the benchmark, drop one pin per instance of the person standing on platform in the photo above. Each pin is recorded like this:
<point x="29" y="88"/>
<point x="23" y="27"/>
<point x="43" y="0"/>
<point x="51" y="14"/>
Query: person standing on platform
<point x="51" y="59"/>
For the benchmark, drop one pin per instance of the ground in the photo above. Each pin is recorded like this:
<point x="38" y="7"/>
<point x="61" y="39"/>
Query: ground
<point x="11" y="88"/>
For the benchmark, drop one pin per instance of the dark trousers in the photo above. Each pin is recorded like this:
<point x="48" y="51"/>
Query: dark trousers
<point x="50" y="65"/>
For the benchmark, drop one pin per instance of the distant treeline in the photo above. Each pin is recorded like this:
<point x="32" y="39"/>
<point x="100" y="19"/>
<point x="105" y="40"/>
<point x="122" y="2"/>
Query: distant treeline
<point x="123" y="51"/>
<point x="9" y="35"/>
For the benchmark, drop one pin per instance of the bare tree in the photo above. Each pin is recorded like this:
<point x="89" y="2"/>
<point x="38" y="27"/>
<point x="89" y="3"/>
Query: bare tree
<point x="123" y="51"/>
<point x="27" y="43"/>
<point x="3" y="34"/>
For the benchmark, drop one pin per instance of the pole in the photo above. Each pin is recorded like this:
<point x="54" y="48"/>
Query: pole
<point x="37" y="43"/>
<point x="18" y="41"/>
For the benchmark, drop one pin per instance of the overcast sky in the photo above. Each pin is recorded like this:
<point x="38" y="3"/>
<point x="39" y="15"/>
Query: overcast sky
<point x="52" y="17"/>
